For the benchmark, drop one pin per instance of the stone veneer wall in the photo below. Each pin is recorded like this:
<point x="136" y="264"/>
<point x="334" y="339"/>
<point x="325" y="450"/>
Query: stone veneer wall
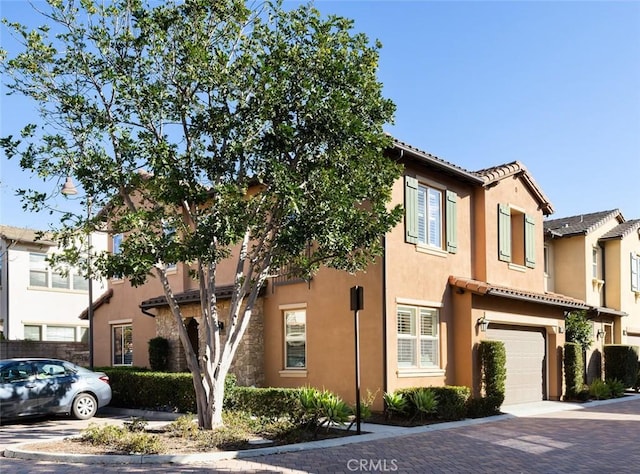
<point x="248" y="362"/>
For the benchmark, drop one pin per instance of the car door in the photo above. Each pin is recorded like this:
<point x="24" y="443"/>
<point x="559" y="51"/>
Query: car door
<point x="55" y="386"/>
<point x="18" y="389"/>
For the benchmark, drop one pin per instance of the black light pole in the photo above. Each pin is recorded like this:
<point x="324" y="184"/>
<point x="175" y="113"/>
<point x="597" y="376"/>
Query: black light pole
<point x="357" y="303"/>
<point x="68" y="189"/>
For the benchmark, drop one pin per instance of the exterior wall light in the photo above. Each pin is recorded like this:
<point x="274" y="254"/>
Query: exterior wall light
<point x="483" y="323"/>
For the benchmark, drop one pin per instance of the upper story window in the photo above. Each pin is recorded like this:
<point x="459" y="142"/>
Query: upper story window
<point x="116" y="242"/>
<point x="40" y="275"/>
<point x="430" y="215"/>
<point x="635" y="272"/>
<point x="516" y="236"/>
<point x="594" y="262"/>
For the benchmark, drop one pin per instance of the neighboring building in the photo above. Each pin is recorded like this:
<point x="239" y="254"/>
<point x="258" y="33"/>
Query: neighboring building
<point x="465" y="265"/>
<point x="37" y="302"/>
<point x="596" y="257"/>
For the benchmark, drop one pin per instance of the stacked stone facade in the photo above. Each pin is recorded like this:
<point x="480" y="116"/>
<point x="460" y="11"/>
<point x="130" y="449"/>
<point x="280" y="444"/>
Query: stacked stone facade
<point x="247" y="366"/>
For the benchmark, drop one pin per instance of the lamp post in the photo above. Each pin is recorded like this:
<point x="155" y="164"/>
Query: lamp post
<point x="68" y="189"/>
<point x="357" y="303"/>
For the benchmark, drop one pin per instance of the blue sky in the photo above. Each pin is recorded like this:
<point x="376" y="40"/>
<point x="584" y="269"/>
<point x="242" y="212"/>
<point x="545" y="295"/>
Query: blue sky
<point x="555" y="85"/>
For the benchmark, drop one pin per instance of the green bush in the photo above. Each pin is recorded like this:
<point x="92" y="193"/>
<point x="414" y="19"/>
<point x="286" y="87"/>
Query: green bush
<point x="493" y="369"/>
<point x="122" y="440"/>
<point x="452" y="401"/>
<point x="573" y="369"/>
<point x="394" y="404"/>
<point x="425" y="402"/>
<point x="159" y="354"/>
<point x="599" y="390"/>
<point x="621" y="362"/>
<point x="616" y="388"/>
<point x="272" y="403"/>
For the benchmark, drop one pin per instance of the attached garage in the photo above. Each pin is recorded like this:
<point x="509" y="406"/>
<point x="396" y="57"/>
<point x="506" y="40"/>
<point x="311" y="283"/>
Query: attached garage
<point x="526" y="362"/>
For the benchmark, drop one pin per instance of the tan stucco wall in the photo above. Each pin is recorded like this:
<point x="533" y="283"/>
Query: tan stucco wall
<point x="330" y="333"/>
<point x="487" y="266"/>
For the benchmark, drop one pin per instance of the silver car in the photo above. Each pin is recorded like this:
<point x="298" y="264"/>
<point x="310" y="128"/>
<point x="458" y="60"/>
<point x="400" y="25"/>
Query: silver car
<point x="50" y="386"/>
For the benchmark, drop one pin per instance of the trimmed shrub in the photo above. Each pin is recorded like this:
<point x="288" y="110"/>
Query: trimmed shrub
<point x="621" y="362"/>
<point x="493" y="367"/>
<point x="159" y="354"/>
<point x="452" y="401"/>
<point x="573" y="369"/>
<point x="272" y="403"/>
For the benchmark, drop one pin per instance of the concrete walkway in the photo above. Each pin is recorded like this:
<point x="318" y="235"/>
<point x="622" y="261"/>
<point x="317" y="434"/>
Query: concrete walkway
<point x="545" y="437"/>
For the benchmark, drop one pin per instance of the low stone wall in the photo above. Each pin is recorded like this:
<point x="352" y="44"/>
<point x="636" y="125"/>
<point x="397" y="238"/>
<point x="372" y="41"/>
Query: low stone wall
<point x="76" y="352"/>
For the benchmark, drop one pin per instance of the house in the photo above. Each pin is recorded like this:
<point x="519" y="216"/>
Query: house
<point x="595" y="257"/>
<point x="465" y="265"/>
<point x="38" y="302"/>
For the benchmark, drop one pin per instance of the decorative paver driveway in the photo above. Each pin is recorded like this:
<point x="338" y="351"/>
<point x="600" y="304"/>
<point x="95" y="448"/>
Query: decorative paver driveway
<point x="598" y="439"/>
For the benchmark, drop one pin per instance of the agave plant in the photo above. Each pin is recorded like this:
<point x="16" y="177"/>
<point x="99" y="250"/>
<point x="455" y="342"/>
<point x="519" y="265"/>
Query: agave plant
<point x="425" y="401"/>
<point x="395" y="403"/>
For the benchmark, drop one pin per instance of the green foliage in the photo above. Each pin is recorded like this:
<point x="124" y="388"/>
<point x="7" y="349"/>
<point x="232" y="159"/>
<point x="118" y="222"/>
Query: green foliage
<point x="451" y="401"/>
<point x="493" y="366"/>
<point x="616" y="388"/>
<point x="151" y="390"/>
<point x="425" y="402"/>
<point x="578" y="329"/>
<point x="166" y="114"/>
<point x="599" y="390"/>
<point x="322" y="408"/>
<point x="271" y="403"/>
<point x="365" y="404"/>
<point x="621" y="362"/>
<point x="573" y="369"/>
<point x="159" y="354"/>
<point x="394" y="403"/>
<point x="122" y="440"/>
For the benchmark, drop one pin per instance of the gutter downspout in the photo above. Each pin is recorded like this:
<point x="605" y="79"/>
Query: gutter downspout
<point x="145" y="312"/>
<point x="385" y="362"/>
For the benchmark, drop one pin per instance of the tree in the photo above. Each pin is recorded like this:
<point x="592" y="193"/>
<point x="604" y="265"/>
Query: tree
<point x="204" y="130"/>
<point x="578" y="329"/>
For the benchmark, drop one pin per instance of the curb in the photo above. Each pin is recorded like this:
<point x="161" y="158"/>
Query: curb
<point x="21" y="451"/>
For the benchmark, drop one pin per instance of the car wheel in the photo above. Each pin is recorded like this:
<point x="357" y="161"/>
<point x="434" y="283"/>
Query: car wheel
<point x="84" y="406"/>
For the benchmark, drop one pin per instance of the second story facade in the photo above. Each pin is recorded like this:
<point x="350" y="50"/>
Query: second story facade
<point x="38" y="302"/>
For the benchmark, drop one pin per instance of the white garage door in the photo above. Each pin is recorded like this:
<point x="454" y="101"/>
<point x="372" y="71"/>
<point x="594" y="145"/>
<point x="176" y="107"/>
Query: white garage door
<point x="526" y="350"/>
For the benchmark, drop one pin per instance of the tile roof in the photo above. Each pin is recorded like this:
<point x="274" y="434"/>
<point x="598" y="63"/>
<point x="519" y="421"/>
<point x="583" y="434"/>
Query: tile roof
<point x="581" y="224"/>
<point x="623" y="229"/>
<point x="484" y="288"/>
<point x="188" y="296"/>
<point x="433" y="161"/>
<point x="20" y="234"/>
<point x="105" y="298"/>
<point x="494" y="174"/>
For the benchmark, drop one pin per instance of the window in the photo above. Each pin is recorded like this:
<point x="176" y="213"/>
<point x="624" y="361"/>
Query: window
<point x="418" y="339"/>
<point x="40" y="275"/>
<point x="38" y="270"/>
<point x="61" y="333"/>
<point x="430" y="216"/>
<point x="122" y="345"/>
<point x="635" y="272"/>
<point x="516" y="237"/>
<point x="33" y="333"/>
<point x="594" y="262"/>
<point x="116" y="241"/>
<point x="295" y="339"/>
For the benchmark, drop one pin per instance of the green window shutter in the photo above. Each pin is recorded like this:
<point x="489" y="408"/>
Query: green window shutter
<point x="529" y="241"/>
<point x="451" y="216"/>
<point x="411" y="209"/>
<point x="504" y="233"/>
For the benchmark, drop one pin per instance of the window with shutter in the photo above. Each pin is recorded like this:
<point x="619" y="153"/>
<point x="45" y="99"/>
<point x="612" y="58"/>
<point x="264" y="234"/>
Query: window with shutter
<point x="635" y="272"/>
<point x="417" y="338"/>
<point x="504" y="233"/>
<point x="530" y="241"/>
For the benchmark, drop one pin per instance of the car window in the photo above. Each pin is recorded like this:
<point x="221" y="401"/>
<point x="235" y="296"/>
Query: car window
<point x="16" y="372"/>
<point x="47" y="369"/>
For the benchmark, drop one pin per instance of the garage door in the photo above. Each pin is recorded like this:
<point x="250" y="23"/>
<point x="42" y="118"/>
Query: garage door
<point x="526" y="350"/>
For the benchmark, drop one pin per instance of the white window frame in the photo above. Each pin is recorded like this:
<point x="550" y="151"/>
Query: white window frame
<point x="430" y="216"/>
<point x="53" y="276"/>
<point x="413" y="337"/>
<point x="635" y="272"/>
<point x="123" y="344"/>
<point x="290" y="338"/>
